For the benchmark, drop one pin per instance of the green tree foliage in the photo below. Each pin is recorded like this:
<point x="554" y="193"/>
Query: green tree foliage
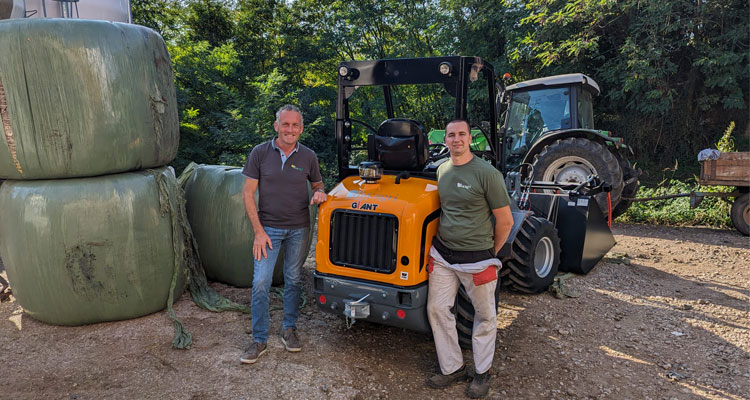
<point x="209" y="20"/>
<point x="673" y="73"/>
<point x="162" y="16"/>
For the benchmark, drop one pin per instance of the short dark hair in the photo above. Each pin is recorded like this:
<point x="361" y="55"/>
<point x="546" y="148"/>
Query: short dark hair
<point x="289" y="107"/>
<point x="457" y="120"/>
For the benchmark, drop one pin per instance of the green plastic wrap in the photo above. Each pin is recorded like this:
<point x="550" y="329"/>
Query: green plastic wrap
<point x="216" y="212"/>
<point x="84" y="98"/>
<point x="88" y="250"/>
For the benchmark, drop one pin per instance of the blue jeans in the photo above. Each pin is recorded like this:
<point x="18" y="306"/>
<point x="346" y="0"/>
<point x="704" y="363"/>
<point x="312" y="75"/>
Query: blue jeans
<point x="294" y="242"/>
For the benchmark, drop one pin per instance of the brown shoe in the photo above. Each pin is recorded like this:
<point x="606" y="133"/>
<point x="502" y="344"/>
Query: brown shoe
<point x="440" y="381"/>
<point x="479" y="386"/>
<point x="290" y="340"/>
<point x="252" y="353"/>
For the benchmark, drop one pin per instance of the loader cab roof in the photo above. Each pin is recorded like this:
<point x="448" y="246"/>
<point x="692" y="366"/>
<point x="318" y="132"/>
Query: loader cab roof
<point x="558" y="80"/>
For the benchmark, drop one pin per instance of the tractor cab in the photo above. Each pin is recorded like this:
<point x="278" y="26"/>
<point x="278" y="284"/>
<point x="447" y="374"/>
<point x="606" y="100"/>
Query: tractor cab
<point x="540" y="106"/>
<point x="549" y="135"/>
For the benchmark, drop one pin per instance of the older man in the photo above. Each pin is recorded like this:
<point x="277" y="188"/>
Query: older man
<point x="472" y="192"/>
<point x="280" y="170"/>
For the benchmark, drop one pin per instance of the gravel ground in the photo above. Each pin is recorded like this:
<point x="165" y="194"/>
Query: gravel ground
<point x="665" y="316"/>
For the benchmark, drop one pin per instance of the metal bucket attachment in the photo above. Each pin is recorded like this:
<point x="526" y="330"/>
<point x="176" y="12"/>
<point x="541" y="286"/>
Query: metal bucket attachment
<point x="584" y="234"/>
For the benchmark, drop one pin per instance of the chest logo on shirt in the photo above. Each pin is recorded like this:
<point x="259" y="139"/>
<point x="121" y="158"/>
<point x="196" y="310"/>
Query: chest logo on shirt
<point x="463" y="186"/>
<point x="297" y="168"/>
<point x="358" y="205"/>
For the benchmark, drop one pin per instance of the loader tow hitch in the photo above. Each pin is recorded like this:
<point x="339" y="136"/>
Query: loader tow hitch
<point x="354" y="310"/>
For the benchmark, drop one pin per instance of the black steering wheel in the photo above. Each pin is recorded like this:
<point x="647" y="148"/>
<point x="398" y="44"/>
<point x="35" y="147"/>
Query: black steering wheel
<point x="438" y="151"/>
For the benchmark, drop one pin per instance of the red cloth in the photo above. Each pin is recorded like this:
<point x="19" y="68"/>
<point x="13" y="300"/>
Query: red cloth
<point x="486" y="276"/>
<point x="430" y="264"/>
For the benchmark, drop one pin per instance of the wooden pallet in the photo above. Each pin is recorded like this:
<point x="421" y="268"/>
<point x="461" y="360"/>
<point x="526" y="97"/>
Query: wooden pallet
<point x="730" y="169"/>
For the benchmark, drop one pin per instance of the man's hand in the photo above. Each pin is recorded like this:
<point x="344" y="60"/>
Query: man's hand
<point x="318" y="197"/>
<point x="261" y="238"/>
<point x="259" y="245"/>
<point x="319" y="193"/>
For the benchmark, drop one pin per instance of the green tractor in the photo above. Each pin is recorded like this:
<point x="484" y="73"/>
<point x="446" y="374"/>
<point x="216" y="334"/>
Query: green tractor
<point x="548" y="124"/>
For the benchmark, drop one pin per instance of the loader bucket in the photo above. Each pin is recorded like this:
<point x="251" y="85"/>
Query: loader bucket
<point x="584" y="234"/>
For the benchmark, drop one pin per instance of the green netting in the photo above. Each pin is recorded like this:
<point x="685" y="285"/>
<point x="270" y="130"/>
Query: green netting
<point x="203" y="295"/>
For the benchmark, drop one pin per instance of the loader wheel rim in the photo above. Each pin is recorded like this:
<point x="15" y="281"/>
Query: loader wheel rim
<point x="544" y="257"/>
<point x="570" y="169"/>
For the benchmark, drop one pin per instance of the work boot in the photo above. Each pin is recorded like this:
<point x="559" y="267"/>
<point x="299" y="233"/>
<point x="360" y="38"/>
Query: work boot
<point x="479" y="386"/>
<point x="440" y="381"/>
<point x="252" y="353"/>
<point x="290" y="340"/>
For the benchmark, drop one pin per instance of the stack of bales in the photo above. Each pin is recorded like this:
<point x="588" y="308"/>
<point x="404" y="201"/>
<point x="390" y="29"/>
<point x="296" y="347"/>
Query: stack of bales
<point x="87" y="214"/>
<point x="217" y="216"/>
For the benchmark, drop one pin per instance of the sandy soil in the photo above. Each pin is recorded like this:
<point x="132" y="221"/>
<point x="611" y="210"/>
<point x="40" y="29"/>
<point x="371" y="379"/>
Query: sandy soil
<point x="665" y="316"/>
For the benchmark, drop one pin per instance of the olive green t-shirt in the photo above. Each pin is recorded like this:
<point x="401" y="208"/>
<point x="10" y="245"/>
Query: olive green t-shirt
<point x="468" y="194"/>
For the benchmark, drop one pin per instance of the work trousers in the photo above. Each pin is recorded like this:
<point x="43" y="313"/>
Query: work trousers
<point x="443" y="287"/>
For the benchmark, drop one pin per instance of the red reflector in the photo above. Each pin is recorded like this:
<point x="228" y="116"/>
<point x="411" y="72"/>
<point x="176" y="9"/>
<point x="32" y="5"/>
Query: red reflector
<point x="322" y="299"/>
<point x="401" y="314"/>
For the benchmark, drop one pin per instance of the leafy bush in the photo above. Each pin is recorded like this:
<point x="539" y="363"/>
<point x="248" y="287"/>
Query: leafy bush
<point x="713" y="211"/>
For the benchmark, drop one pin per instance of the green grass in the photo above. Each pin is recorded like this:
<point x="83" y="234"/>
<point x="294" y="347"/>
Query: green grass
<point x="713" y="211"/>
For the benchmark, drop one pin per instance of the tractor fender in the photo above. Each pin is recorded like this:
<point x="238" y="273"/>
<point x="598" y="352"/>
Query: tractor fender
<point x="601" y="137"/>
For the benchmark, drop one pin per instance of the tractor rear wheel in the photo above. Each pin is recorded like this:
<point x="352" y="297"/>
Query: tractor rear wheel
<point x="630" y="189"/>
<point x="572" y="160"/>
<point x="534" y="259"/>
<point x="741" y="213"/>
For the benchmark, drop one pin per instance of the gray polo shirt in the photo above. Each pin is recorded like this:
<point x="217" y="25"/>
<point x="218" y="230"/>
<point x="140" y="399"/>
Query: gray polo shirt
<point x="282" y="187"/>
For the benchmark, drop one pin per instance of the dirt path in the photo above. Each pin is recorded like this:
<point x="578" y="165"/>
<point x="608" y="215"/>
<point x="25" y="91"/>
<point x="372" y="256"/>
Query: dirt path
<point x="669" y="320"/>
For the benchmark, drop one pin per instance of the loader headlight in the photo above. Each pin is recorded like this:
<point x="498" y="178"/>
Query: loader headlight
<point x="370" y="171"/>
<point x="446" y="68"/>
<point x="348" y="73"/>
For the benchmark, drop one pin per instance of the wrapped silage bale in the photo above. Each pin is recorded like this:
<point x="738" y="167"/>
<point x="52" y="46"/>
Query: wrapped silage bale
<point x="88" y="250"/>
<point x="217" y="216"/>
<point x="84" y="98"/>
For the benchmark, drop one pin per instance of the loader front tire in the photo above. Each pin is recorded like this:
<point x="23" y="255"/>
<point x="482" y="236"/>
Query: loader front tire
<point x="464" y="311"/>
<point x="534" y="259"/>
<point x="465" y="317"/>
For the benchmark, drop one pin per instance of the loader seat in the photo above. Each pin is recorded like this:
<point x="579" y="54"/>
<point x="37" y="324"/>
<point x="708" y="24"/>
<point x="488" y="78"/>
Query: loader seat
<point x="400" y="144"/>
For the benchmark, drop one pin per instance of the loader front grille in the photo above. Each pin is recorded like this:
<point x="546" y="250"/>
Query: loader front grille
<point x="364" y="240"/>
